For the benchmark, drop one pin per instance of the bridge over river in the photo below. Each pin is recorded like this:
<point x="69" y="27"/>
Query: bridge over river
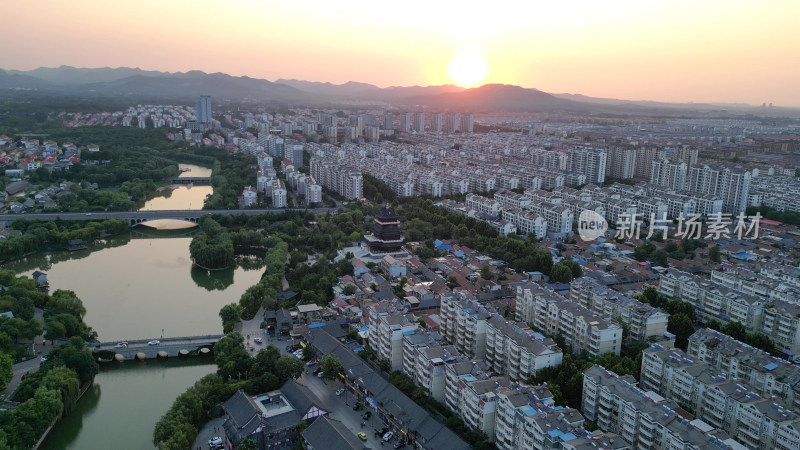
<point x="139" y="217"/>
<point x="168" y="347"/>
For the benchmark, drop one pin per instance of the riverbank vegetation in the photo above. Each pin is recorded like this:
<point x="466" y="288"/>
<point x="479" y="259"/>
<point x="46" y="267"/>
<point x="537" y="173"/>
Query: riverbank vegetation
<point x="48" y="394"/>
<point x="236" y="370"/>
<point x="37" y="236"/>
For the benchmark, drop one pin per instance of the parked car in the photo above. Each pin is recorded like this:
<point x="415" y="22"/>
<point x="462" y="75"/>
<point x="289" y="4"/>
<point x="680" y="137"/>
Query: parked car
<point x="154" y="342"/>
<point x="43" y="359"/>
<point x="339" y="391"/>
<point x="366" y="415"/>
<point x="121" y="344"/>
<point x="388" y="436"/>
<point x="310" y="363"/>
<point x="362" y="436"/>
<point x="259" y="340"/>
<point x="214" y="442"/>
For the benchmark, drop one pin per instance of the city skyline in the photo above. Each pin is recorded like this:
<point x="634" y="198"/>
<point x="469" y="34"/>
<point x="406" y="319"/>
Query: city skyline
<point x="721" y="52"/>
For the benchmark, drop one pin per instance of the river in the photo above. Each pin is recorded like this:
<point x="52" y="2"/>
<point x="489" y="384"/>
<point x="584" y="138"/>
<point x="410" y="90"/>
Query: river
<point x="140" y="285"/>
<point x="122" y="407"/>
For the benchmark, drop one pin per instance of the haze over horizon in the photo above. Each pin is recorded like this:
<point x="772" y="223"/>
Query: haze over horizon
<point x="670" y="51"/>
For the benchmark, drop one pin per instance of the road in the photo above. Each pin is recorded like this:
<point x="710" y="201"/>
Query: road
<point x="151" y="215"/>
<point x="20" y="369"/>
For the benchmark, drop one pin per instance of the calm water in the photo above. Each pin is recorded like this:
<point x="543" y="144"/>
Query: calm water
<point x="182" y="196"/>
<point x="143" y="286"/>
<point x="122" y="408"/>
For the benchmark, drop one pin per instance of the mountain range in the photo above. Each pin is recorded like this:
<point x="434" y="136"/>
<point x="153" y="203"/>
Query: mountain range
<point x="135" y="83"/>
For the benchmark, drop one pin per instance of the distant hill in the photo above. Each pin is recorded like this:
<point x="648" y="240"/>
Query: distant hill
<point x="353" y="90"/>
<point x="10" y="80"/>
<point x="498" y="97"/>
<point x="68" y="75"/>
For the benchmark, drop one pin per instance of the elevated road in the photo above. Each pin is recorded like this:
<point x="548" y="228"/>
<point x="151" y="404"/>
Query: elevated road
<point x="137" y="217"/>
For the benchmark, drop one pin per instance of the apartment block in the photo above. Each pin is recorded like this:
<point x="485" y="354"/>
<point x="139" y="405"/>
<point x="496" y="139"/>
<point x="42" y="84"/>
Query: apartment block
<point x="643" y="321"/>
<point x="621" y="162"/>
<point x="518" y="353"/>
<point x="464" y="324"/>
<point x="386" y="329"/>
<point x="582" y="328"/>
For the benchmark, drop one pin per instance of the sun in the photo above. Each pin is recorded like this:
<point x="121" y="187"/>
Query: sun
<point x="468" y="68"/>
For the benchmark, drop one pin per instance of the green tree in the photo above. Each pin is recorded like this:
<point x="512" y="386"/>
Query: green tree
<point x="247" y="444"/>
<point x="331" y="367"/>
<point x="760" y="341"/>
<point x="230" y="315"/>
<point x="54" y="330"/>
<point x="714" y="254"/>
<point x="308" y="352"/>
<point x="660" y="258"/>
<point x="735" y="330"/>
<point x="349" y="290"/>
<point x="486" y="273"/>
<point x="6" y="370"/>
<point x="561" y="274"/>
<point x="65" y="302"/>
<point x="682" y="327"/>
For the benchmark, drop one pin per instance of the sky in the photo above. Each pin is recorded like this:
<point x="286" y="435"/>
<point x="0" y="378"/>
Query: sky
<point x="738" y="51"/>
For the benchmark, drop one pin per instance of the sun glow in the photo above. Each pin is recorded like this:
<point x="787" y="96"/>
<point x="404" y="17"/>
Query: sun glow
<point x="468" y="68"/>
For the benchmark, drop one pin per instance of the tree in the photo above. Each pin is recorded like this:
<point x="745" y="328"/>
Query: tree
<point x="761" y="341"/>
<point x="660" y="258"/>
<point x="6" y="370"/>
<point x="349" y="290"/>
<point x="67" y="302"/>
<point x="682" y="327"/>
<point x="486" y="273"/>
<point x="735" y="330"/>
<point x="308" y="353"/>
<point x="54" y="330"/>
<point x="331" y="367"/>
<point x="247" y="444"/>
<point x="714" y="254"/>
<point x="561" y="274"/>
<point x="230" y="314"/>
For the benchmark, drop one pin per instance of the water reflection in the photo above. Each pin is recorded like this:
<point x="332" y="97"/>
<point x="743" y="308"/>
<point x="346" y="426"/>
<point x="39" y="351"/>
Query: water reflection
<point x="212" y="280"/>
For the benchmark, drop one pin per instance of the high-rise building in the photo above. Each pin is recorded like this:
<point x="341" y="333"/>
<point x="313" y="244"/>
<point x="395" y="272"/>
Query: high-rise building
<point x="671" y="174"/>
<point x="451" y="122"/>
<point x="590" y="162"/>
<point x="731" y="185"/>
<point x="387" y="121"/>
<point x="204" y="111"/>
<point x="436" y="123"/>
<point x="621" y="162"/>
<point x="467" y="123"/>
<point x="294" y="152"/>
<point x="419" y="122"/>
<point x="405" y="122"/>
<point x="644" y="160"/>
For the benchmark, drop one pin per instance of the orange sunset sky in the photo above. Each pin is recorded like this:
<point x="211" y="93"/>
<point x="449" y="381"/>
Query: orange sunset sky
<point x="665" y="50"/>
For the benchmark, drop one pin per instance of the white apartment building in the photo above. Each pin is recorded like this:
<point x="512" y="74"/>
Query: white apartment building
<point x="553" y="314"/>
<point x="643" y="321"/>
<point x="279" y="195"/>
<point x="386" y="330"/>
<point x="483" y="205"/>
<point x="464" y="324"/>
<point x="645" y="420"/>
<point x="670" y="174"/>
<point x="621" y="162"/>
<point x="526" y="222"/>
<point x="517" y="353"/>
<point x="249" y="197"/>
<point x="559" y="219"/>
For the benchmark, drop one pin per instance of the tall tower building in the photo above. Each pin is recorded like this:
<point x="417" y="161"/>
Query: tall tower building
<point x="204" y="110"/>
<point x="671" y="174"/>
<point x="419" y="122"/>
<point x="405" y="122"/>
<point x="387" y="121"/>
<point x="590" y="162"/>
<point x="451" y="122"/>
<point x="436" y="123"/>
<point x="467" y="122"/>
<point x="644" y="160"/>
<point x="621" y="162"/>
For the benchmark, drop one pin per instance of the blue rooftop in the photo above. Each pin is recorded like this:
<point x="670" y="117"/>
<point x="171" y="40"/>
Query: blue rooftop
<point x="538" y="335"/>
<point x="568" y="437"/>
<point x="316" y="325"/>
<point x="406" y="333"/>
<point x="555" y="433"/>
<point x="770" y="366"/>
<point x="364" y="328"/>
<point x="528" y="410"/>
<point x="469" y="378"/>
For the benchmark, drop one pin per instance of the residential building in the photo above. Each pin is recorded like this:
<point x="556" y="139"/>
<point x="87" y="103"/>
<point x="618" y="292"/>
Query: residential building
<point x="518" y="353"/>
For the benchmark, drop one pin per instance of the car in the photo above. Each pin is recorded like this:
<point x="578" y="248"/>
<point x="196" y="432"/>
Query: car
<point x="122" y="344"/>
<point x="154" y="342"/>
<point x="388" y="436"/>
<point x="362" y="436"/>
<point x="366" y="415"/>
<point x="43" y="359"/>
<point x="319" y="374"/>
<point x="310" y="363"/>
<point x="356" y="406"/>
<point x="88" y="214"/>
<point x="288" y="348"/>
<point x="258" y="341"/>
<point x="398" y="444"/>
<point x="214" y="442"/>
<point x="339" y="391"/>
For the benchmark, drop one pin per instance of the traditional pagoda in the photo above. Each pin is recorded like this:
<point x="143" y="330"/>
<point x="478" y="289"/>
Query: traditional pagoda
<point x="386" y="237"/>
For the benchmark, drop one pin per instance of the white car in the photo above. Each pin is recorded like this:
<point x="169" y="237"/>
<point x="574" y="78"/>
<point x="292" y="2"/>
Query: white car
<point x="214" y="442"/>
<point x="388" y="436"/>
<point x="122" y="344"/>
<point x="339" y="391"/>
<point x="258" y="340"/>
<point x="43" y="359"/>
<point x="155" y="342"/>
